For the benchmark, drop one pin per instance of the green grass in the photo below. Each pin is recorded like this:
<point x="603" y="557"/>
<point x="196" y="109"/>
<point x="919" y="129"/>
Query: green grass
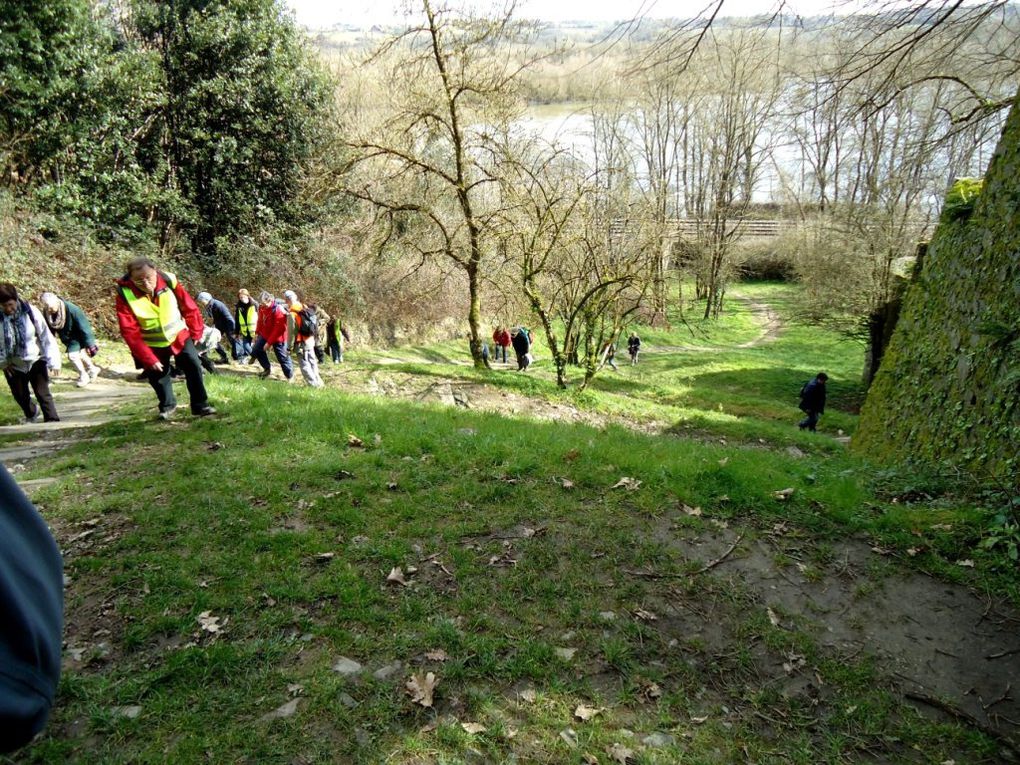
<point x="232" y="514"/>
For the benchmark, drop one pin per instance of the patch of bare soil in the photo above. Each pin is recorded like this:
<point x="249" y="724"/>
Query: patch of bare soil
<point x="944" y="648"/>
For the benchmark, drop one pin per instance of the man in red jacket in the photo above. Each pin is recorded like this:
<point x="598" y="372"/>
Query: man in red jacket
<point x="160" y="321"/>
<point x="271" y="331"/>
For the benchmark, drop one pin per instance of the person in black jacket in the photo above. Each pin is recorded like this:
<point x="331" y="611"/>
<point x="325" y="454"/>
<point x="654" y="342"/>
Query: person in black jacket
<point x="223" y="320"/>
<point x="522" y="347"/>
<point x="812" y="401"/>
<point x="31" y="617"/>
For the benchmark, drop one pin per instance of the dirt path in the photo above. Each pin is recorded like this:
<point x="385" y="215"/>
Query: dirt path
<point x="80" y="409"/>
<point x="769" y="324"/>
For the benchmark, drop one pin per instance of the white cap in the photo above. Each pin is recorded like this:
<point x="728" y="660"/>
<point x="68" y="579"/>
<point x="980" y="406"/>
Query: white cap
<point x="289" y="295"/>
<point x="203" y="297"/>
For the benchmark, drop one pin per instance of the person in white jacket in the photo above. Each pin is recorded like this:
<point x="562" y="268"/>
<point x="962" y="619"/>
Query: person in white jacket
<point x="28" y="352"/>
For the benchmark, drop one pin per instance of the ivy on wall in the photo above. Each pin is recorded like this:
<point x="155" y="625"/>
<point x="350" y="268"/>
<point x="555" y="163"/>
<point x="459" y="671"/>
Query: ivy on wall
<point x="948" y="390"/>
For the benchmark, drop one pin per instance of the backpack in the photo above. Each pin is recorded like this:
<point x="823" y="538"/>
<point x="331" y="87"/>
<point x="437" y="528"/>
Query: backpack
<point x="803" y="392"/>
<point x="309" y="323"/>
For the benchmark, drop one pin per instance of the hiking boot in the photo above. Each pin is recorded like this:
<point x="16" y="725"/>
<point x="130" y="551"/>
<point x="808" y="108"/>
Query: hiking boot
<point x="34" y="418"/>
<point x="264" y="374"/>
<point x="167" y="414"/>
<point x="94" y="372"/>
<point x="205" y="411"/>
<point x="83" y="380"/>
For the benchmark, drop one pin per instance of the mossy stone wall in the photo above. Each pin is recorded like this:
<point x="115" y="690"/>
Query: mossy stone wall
<point x="948" y="389"/>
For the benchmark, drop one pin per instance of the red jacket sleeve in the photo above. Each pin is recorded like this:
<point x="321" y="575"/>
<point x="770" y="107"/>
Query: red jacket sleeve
<point x="132" y="333"/>
<point x="191" y="312"/>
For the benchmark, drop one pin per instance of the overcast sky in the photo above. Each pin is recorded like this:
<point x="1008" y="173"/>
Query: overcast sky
<point x="326" y="13"/>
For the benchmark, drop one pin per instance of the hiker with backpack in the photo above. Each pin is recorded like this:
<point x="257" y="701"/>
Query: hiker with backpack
<point x="302" y="326"/>
<point x="28" y="353"/>
<point x="271" y="330"/>
<point x="812" y="401"/>
<point x="521" y="341"/>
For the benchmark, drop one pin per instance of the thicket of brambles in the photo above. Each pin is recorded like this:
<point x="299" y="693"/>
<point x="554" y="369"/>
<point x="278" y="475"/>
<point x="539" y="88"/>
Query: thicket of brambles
<point x="395" y="177"/>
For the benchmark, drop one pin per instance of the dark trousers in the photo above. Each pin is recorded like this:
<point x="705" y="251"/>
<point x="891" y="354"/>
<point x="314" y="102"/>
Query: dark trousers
<point x="810" y="422"/>
<point x="242" y="347"/>
<point x="38" y="376"/>
<point x="500" y="349"/>
<point x="258" y="351"/>
<point x="188" y="362"/>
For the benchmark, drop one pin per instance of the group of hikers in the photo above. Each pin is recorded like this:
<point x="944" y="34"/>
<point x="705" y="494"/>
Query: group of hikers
<point x="520" y="339"/>
<point x="165" y="330"/>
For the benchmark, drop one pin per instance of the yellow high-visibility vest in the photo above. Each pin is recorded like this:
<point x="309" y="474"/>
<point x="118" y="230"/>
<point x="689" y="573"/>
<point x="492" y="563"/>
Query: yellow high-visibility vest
<point x="248" y="318"/>
<point x="160" y="322"/>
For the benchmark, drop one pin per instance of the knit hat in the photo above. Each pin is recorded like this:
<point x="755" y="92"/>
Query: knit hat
<point x="289" y="295"/>
<point x="49" y="300"/>
<point x="203" y="297"/>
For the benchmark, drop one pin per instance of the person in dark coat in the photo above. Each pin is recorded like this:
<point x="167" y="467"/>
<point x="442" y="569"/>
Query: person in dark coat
<point x="812" y="401"/>
<point x="633" y="347"/>
<point x="68" y="322"/>
<point x="31" y="617"/>
<point x="223" y="320"/>
<point x="522" y="347"/>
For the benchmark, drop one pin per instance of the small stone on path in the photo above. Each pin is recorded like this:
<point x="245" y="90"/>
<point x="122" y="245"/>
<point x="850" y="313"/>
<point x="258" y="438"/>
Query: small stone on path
<point x="347" y="667"/>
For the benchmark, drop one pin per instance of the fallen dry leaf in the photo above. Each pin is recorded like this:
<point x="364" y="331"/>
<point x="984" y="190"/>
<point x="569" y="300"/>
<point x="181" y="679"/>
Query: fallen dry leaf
<point x="529" y="695"/>
<point x="353" y="440"/>
<point x="473" y="728"/>
<point x="628" y="483"/>
<point x="571" y="455"/>
<point x="566" y="483"/>
<point x="621" y="754"/>
<point x="437" y="655"/>
<point x="772" y="617"/>
<point x="396" y="576"/>
<point x="699" y="720"/>
<point x="650" y="692"/>
<point x="723" y="461"/>
<point x="965" y="563"/>
<point x="421" y="687"/>
<point x="324" y="557"/>
<point x="646" y="616"/>
<point x="585" y="713"/>
<point x="565" y="653"/>
<point x="209" y="623"/>
<point x="695" y="511"/>
<point x="783" y="494"/>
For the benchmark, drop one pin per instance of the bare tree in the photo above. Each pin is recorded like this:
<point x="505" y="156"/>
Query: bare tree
<point x="424" y="159"/>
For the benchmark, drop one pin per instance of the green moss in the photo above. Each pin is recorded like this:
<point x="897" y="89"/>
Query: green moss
<point x="961" y="198"/>
<point x="947" y="390"/>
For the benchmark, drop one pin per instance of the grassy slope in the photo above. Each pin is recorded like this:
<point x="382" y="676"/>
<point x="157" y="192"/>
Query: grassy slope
<point x="227" y="515"/>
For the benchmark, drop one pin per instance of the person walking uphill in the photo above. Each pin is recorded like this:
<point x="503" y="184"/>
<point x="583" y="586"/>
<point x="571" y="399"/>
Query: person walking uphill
<point x="246" y="315"/>
<point x="161" y="322"/>
<point x="302" y="326"/>
<point x="223" y="320"/>
<point x="28" y="352"/>
<point x="68" y="322"/>
<point x="522" y="347"/>
<point x="812" y="401"/>
<point x="271" y="330"/>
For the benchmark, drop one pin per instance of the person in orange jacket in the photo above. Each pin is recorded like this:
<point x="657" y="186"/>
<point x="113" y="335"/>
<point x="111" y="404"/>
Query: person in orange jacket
<point x="161" y="322"/>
